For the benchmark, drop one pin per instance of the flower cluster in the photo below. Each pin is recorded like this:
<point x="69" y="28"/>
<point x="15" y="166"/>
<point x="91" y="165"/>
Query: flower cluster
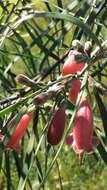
<point x="81" y="138"/>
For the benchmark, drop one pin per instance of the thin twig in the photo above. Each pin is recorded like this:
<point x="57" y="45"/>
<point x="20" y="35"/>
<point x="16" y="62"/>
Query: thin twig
<point x="12" y="10"/>
<point x="55" y="65"/>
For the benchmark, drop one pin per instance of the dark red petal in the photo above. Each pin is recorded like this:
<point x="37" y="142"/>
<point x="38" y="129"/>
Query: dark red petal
<point x="56" y="128"/>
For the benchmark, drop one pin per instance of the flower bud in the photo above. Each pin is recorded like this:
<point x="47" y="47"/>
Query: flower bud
<point x="41" y="98"/>
<point x="76" y="44"/>
<point x="26" y="81"/>
<point x="22" y="79"/>
<point x="88" y="47"/>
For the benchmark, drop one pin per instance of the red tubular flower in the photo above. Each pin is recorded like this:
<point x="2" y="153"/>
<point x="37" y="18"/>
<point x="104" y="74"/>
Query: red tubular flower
<point x="71" y="66"/>
<point x="82" y="137"/>
<point x="73" y="93"/>
<point x="57" y="126"/>
<point x="18" y="132"/>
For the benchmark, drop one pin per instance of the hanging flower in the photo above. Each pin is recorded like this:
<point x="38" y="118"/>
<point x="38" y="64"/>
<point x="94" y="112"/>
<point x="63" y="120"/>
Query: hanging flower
<point x="82" y="137"/>
<point x="57" y="126"/>
<point x="73" y="93"/>
<point x="71" y="66"/>
<point x="18" y="132"/>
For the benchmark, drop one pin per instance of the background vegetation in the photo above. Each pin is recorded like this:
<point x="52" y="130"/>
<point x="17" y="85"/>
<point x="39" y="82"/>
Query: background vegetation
<point x="35" y="37"/>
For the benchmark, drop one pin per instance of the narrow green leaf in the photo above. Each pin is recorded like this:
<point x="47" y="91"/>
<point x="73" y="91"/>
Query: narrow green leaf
<point x="102" y="152"/>
<point x="5" y="82"/>
<point x="59" y="2"/>
<point x="48" y="6"/>
<point x="29" y="59"/>
<point x="18" y="163"/>
<point x="61" y="16"/>
<point x="35" y="123"/>
<point x="8" y="176"/>
<point x="19" y="166"/>
<point x="99" y="70"/>
<point x="39" y="169"/>
<point x="73" y="4"/>
<point x="102" y="110"/>
<point x="26" y="171"/>
<point x="12" y="107"/>
<point x="101" y="149"/>
<point x="72" y="19"/>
